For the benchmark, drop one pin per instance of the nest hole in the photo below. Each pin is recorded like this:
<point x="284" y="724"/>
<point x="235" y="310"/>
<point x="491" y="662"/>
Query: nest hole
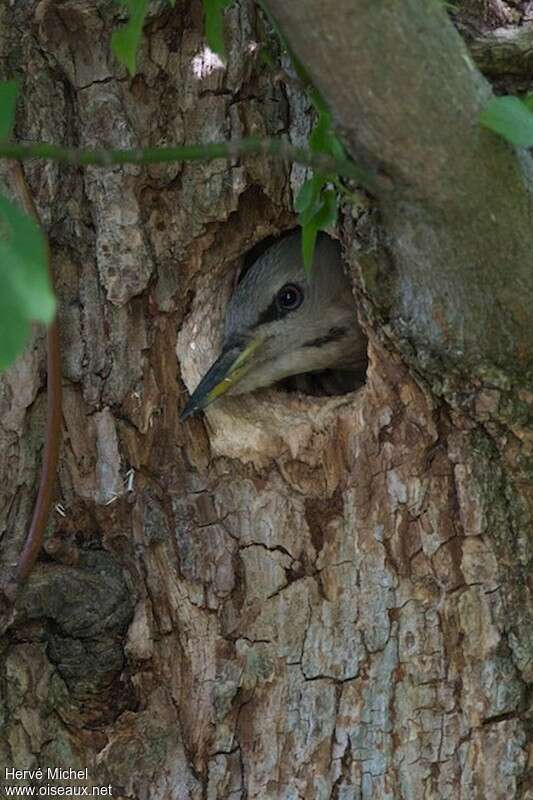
<point x="200" y="338"/>
<point x="324" y="383"/>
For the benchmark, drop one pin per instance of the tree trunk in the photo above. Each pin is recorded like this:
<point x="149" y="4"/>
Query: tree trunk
<point x="291" y="597"/>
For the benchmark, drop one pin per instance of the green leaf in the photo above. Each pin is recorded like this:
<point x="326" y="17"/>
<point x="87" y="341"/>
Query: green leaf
<point x="528" y="101"/>
<point x="8" y="100"/>
<point x="23" y="263"/>
<point x="317" y="101"/>
<point x="310" y="212"/>
<point x="214" y="25"/>
<point x="336" y="147"/>
<point x="25" y="290"/>
<point x="14" y="329"/>
<point x="323" y="138"/>
<point x="319" y="139"/>
<point x="307" y="196"/>
<point x="511" y="118"/>
<point x="323" y="217"/>
<point x="327" y="214"/>
<point x="125" y="41"/>
<point x="24" y="282"/>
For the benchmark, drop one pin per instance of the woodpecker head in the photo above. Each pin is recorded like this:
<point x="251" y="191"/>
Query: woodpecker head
<point x="281" y="322"/>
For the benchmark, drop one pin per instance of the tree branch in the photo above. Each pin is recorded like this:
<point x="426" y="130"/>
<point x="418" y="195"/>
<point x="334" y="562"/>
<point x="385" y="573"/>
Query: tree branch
<point x="406" y="96"/>
<point x="505" y="51"/>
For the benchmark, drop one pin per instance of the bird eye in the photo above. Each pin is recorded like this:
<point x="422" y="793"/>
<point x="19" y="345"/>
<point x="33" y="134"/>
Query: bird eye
<point x="289" y="297"/>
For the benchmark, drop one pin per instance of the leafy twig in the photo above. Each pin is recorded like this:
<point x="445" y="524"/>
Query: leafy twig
<point x="318" y="200"/>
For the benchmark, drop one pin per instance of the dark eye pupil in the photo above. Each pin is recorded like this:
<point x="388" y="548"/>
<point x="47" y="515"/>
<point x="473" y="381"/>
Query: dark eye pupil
<point x="289" y="297"/>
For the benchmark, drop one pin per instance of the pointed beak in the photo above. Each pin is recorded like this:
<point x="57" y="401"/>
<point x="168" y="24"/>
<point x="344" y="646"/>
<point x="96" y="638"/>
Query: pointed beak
<point x="225" y="373"/>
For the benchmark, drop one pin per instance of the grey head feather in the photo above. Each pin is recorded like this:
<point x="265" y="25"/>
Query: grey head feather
<point x="323" y="333"/>
<point x="282" y="263"/>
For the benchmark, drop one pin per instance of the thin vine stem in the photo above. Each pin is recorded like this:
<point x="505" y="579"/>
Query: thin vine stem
<point x="276" y="148"/>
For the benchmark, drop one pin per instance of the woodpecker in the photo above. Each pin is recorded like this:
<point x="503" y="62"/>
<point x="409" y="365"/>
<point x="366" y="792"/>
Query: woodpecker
<point x="282" y="322"/>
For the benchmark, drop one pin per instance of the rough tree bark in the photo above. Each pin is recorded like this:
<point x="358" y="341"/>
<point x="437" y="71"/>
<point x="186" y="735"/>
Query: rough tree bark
<point x="293" y="597"/>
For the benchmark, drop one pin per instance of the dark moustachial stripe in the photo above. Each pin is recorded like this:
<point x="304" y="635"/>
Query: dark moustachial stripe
<point x="332" y="336"/>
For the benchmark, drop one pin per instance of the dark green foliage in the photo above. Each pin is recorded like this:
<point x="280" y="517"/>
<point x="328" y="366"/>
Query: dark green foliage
<point x="317" y="209"/>
<point x="318" y="200"/>
<point x="511" y="118"/>
<point x="25" y="291"/>
<point x="214" y="25"/>
<point x="125" y="41"/>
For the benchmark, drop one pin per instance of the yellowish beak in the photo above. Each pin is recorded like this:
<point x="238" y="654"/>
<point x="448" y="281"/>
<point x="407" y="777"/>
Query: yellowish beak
<point x="225" y="373"/>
